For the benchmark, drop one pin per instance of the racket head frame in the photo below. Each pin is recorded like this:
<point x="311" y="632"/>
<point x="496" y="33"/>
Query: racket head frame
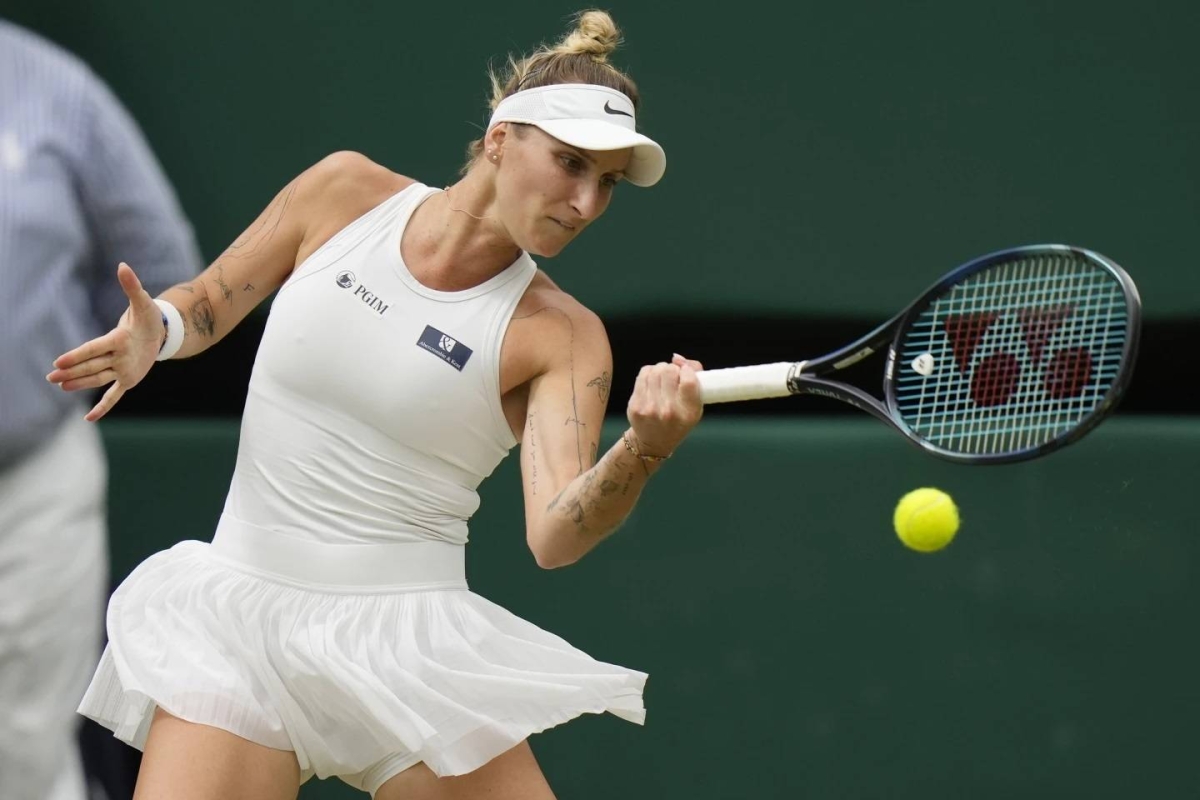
<point x="806" y="377"/>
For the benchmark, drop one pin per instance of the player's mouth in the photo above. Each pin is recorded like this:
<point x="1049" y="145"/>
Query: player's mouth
<point x="562" y="224"/>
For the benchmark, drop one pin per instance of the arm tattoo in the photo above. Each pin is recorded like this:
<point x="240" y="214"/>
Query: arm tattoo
<point x="258" y="234"/>
<point x="226" y="292"/>
<point x="603" y="385"/>
<point x="578" y="506"/>
<point x="533" y="469"/>
<point x="249" y="287"/>
<point x="201" y="313"/>
<point x="185" y="287"/>
<point x="574" y="418"/>
<point x="585" y="499"/>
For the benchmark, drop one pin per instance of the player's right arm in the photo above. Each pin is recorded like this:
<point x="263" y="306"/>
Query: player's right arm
<point x="249" y="270"/>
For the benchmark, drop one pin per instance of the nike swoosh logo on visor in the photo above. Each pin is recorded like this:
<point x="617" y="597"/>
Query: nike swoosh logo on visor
<point x="610" y="110"/>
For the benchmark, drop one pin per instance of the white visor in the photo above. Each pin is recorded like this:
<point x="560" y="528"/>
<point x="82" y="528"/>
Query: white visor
<point x="589" y="117"/>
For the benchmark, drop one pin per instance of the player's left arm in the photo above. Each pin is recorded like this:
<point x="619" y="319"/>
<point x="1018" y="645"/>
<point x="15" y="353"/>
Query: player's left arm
<point x="576" y="494"/>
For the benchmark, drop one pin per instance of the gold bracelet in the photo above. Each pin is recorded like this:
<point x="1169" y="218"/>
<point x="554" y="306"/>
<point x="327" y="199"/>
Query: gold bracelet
<point x="643" y="456"/>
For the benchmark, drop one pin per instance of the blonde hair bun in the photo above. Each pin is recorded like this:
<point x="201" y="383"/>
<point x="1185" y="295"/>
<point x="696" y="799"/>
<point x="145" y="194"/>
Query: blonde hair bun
<point x="595" y="34"/>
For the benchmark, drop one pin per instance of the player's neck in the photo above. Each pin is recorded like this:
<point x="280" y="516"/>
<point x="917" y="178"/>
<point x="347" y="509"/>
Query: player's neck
<point x="449" y="246"/>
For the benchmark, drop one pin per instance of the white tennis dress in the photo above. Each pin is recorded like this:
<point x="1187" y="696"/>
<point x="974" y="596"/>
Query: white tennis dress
<point x="330" y="615"/>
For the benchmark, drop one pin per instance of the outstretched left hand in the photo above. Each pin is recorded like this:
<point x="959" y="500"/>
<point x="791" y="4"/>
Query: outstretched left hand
<point x="121" y="357"/>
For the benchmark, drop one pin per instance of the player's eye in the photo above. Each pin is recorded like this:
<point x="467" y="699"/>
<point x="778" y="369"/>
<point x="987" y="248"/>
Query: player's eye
<point x="571" y="164"/>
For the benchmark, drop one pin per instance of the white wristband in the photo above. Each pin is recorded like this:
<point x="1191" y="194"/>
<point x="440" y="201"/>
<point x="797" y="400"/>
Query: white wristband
<point x="173" y="321"/>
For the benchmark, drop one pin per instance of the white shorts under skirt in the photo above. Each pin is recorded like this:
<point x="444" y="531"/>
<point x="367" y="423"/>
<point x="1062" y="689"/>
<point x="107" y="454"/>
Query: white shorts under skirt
<point x="363" y="659"/>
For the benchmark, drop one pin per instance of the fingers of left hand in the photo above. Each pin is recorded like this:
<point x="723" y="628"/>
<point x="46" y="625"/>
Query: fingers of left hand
<point x="92" y="381"/>
<point x="106" y="403"/>
<point x="82" y="369"/>
<point x="95" y="348"/>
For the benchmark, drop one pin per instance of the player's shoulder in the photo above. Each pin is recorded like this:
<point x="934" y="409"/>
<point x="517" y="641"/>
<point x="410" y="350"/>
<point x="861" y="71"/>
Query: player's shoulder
<point x="347" y="171"/>
<point x="344" y="185"/>
<point x="563" y="322"/>
<point x="544" y="294"/>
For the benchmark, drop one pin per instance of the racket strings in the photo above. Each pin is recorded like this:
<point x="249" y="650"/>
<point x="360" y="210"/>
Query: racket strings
<point x="1021" y="353"/>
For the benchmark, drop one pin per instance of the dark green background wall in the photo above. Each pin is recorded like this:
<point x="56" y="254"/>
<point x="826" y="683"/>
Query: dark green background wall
<point x="797" y="650"/>
<point x="830" y="158"/>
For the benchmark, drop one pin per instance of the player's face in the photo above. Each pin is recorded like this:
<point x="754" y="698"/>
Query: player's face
<point x="548" y="191"/>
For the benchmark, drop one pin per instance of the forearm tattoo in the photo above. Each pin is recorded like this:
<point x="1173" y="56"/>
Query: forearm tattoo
<point x="577" y="504"/>
<point x="201" y="314"/>
<point x="594" y="494"/>
<point x="219" y="280"/>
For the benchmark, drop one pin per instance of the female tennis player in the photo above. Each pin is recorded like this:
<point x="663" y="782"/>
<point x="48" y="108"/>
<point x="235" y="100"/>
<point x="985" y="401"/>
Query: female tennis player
<point x="328" y="629"/>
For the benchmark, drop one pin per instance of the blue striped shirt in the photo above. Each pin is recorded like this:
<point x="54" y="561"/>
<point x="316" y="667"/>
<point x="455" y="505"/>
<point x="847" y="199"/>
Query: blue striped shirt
<point x="80" y="191"/>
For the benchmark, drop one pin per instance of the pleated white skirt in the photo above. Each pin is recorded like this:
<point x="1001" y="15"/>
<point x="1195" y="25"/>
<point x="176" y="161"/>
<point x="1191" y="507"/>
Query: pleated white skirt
<point x="363" y="659"/>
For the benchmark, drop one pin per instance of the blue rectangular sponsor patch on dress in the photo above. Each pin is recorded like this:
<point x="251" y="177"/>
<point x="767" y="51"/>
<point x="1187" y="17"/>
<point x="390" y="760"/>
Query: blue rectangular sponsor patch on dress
<point x="450" y="350"/>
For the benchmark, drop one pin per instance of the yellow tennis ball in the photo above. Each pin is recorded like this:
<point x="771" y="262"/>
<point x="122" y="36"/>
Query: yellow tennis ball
<point x="926" y="519"/>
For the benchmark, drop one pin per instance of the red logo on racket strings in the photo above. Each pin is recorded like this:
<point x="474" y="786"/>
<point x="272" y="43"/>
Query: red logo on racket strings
<point x="995" y="379"/>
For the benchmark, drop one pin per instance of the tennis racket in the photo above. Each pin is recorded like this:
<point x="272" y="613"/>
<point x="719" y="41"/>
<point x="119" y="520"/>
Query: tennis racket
<point x="1008" y="357"/>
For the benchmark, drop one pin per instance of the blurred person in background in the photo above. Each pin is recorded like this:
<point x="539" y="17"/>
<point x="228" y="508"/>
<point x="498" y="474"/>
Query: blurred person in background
<point x="80" y="190"/>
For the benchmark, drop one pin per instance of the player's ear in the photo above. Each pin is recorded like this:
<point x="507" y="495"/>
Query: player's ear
<point x="493" y="142"/>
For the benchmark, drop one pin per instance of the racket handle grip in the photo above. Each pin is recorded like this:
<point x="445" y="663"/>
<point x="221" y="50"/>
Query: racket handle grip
<point x="745" y="383"/>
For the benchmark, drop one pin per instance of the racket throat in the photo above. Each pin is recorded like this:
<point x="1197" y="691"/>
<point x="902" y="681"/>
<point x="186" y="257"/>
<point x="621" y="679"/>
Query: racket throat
<point x="799" y="383"/>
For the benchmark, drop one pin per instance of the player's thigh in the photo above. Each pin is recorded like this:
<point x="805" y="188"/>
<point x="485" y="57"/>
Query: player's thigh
<point x="514" y="775"/>
<point x="186" y="761"/>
